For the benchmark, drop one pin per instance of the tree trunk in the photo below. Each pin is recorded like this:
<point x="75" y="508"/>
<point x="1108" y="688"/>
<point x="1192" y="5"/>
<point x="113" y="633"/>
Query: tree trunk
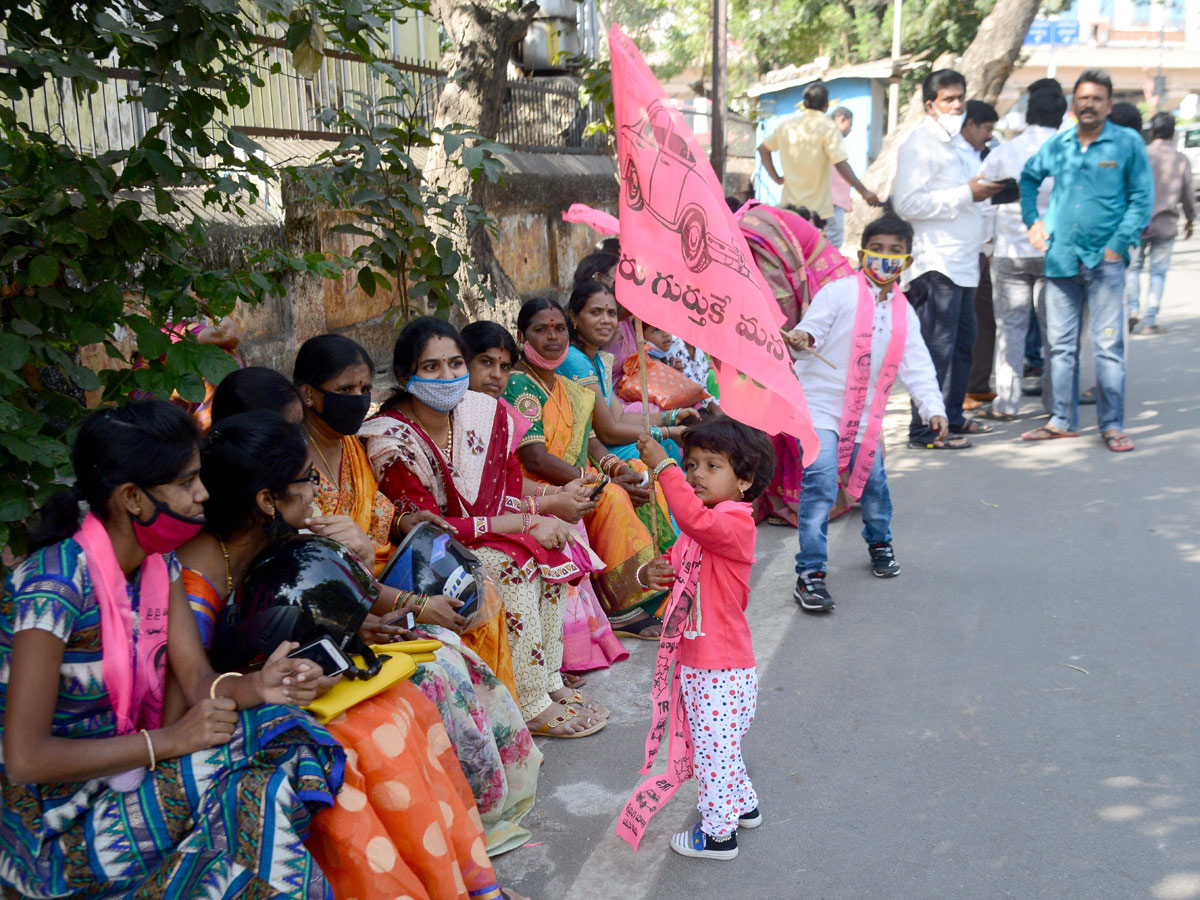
<point x="986" y="65"/>
<point x="481" y="35"/>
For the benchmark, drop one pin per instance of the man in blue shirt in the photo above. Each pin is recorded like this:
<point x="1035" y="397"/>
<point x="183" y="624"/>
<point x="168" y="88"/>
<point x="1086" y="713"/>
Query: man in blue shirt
<point x="1101" y="200"/>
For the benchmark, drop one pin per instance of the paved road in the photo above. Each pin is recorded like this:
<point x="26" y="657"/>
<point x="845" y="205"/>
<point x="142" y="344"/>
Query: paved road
<point x="1016" y="715"/>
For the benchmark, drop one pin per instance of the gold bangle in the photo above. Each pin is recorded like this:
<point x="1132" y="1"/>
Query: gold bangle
<point x="212" y="688"/>
<point x="150" y="747"/>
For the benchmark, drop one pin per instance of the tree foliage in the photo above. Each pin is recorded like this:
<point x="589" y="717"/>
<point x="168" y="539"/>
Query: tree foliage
<point x="96" y="249"/>
<point x="675" y="34"/>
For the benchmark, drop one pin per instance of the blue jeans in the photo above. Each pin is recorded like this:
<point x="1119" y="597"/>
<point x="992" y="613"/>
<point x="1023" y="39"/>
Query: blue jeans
<point x="947" y="315"/>
<point x="818" y="491"/>
<point x="1159" y="251"/>
<point x="1101" y="290"/>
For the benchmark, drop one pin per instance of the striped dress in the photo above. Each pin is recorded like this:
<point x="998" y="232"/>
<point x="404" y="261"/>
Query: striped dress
<point x="221" y="824"/>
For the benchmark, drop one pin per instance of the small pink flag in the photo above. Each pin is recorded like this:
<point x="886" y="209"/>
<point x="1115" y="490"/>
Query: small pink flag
<point x="685" y="265"/>
<point x="596" y="219"/>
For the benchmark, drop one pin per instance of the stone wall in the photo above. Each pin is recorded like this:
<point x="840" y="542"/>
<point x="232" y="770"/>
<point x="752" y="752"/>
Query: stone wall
<point x="537" y="249"/>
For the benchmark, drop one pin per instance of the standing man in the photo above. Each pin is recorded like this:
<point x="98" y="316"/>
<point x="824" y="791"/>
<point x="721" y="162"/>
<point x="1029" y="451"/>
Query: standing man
<point x="835" y="228"/>
<point x="937" y="192"/>
<point x="1017" y="278"/>
<point x="1172" y="189"/>
<point x="972" y="142"/>
<point x="809" y="144"/>
<point x="1100" y="203"/>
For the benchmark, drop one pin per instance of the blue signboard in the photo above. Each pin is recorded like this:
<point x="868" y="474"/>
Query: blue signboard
<point x="1055" y="33"/>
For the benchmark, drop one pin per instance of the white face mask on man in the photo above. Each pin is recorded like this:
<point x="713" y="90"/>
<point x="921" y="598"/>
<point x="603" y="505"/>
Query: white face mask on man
<point x="951" y="123"/>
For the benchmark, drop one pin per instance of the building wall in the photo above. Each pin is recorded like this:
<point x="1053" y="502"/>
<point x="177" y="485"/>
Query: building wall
<point x="537" y="249"/>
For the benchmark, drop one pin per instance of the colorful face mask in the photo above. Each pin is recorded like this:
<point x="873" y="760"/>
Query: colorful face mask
<point x="166" y="530"/>
<point x="883" y="268"/>
<point x="440" y="394"/>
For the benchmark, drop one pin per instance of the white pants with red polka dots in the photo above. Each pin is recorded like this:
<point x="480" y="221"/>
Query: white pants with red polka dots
<point x="720" y="707"/>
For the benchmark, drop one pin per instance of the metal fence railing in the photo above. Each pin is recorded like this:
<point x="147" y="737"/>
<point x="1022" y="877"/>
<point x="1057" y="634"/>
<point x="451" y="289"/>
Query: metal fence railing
<point x="545" y="116"/>
<point x="539" y="115"/>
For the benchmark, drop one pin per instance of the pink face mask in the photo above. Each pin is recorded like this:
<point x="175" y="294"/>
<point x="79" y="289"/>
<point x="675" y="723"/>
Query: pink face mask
<point x="540" y="361"/>
<point x="166" y="530"/>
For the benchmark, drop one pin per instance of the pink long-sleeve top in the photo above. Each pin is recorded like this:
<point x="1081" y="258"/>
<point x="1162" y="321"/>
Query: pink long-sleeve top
<point x="725" y="534"/>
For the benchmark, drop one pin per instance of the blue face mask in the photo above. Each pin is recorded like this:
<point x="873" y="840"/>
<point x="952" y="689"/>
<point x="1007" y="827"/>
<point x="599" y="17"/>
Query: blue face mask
<point x="437" y="393"/>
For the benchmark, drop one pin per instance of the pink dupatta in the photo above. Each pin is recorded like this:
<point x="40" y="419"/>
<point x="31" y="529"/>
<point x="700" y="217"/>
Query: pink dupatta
<point x="858" y="380"/>
<point x="666" y="704"/>
<point x="134" y="680"/>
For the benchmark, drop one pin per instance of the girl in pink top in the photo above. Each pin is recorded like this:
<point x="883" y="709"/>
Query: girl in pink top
<point x="705" y="686"/>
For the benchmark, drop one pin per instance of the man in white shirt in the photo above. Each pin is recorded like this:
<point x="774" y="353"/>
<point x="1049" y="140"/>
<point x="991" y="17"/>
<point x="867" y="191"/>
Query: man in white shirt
<point x="972" y="142"/>
<point x="1016" y="264"/>
<point x="935" y="192"/>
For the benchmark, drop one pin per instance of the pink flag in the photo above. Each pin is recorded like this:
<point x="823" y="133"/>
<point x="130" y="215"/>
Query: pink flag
<point x="596" y="219"/>
<point x="685" y="266"/>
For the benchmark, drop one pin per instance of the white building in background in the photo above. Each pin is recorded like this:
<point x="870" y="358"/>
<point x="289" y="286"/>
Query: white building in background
<point x="1149" y="47"/>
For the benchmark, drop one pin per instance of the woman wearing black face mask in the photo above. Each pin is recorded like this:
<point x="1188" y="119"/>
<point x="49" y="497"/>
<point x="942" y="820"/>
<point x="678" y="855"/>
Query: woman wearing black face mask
<point x="334" y="376"/>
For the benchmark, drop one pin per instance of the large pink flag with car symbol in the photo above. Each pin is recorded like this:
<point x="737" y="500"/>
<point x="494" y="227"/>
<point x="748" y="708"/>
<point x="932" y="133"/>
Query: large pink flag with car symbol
<point x="685" y="266"/>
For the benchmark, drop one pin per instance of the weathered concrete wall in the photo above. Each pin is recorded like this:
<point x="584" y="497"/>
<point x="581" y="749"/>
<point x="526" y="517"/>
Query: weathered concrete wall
<point x="536" y="248"/>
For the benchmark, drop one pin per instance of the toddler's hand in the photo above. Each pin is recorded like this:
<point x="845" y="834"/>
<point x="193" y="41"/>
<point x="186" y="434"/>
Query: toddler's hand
<point x="658" y="575"/>
<point x="650" y="450"/>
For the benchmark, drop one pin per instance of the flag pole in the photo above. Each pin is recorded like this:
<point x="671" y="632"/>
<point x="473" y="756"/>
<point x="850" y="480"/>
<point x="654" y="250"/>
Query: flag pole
<point x="641" y="345"/>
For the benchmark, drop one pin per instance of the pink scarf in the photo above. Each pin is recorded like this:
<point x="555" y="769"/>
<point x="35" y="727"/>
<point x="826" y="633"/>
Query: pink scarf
<point x="666" y="702"/>
<point x="858" y="379"/>
<point x="134" y="680"/>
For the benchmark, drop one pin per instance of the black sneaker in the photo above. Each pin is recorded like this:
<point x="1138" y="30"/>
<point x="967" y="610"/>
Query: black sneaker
<point x="694" y="842"/>
<point x="750" y="819"/>
<point x="883" y="560"/>
<point x="811" y="593"/>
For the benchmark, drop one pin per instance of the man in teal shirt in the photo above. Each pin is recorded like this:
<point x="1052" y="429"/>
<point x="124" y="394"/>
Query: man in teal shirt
<point x="1102" y="196"/>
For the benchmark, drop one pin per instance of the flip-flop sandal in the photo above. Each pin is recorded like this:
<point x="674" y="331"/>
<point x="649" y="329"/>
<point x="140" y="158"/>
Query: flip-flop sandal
<point x="957" y="442"/>
<point x="573" y="681"/>
<point x="636" y="628"/>
<point x="1119" y="442"/>
<point x="972" y="427"/>
<point x="577" y="699"/>
<point x="988" y="413"/>
<point x="563" y="719"/>
<point x="1042" y="433"/>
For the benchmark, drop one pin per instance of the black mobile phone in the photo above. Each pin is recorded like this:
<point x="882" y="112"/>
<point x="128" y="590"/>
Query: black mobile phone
<point x="600" y="486"/>
<point x="326" y="654"/>
<point x="1011" y="193"/>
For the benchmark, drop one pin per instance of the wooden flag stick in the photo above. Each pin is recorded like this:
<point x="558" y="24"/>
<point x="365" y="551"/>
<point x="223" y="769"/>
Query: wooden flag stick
<point x="821" y="358"/>
<point x="641" y="345"/>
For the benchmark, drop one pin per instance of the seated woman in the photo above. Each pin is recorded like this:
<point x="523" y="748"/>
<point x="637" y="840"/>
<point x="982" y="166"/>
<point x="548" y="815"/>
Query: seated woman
<point x="256" y="387"/>
<point x="439" y="447"/>
<point x="102" y="795"/>
<point x="555" y="451"/>
<point x="483" y="721"/>
<point x="260" y="469"/>
<point x="592" y="312"/>
<point x="588" y="640"/>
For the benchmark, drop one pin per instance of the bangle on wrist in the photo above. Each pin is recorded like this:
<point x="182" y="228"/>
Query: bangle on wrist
<point x="663" y="466"/>
<point x="637" y="576"/>
<point x="212" y="688"/>
<point x="149" y="747"/>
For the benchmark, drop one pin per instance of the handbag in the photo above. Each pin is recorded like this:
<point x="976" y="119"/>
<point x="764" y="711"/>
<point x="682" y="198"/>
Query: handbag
<point x="666" y="388"/>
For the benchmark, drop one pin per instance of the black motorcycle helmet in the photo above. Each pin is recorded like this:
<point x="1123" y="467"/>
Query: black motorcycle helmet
<point x="300" y="588"/>
<point x="429" y="561"/>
